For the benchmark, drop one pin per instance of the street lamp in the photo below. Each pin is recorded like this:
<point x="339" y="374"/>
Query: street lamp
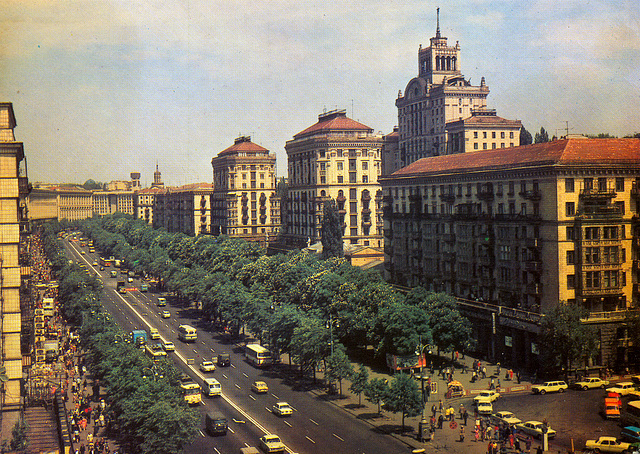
<point x="420" y="348"/>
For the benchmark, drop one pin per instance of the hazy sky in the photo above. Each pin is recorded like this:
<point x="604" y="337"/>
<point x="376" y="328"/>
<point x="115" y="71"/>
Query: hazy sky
<point x="101" y="88"/>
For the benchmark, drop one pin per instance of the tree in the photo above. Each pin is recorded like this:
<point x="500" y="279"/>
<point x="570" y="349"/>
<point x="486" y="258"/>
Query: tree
<point x="525" y="136"/>
<point x="359" y="382"/>
<point x="90" y="185"/>
<point x="449" y="328"/>
<point x="338" y="366"/>
<point x="542" y="136"/>
<point x="331" y="231"/>
<point x="564" y="339"/>
<point x="404" y="396"/>
<point x="376" y="391"/>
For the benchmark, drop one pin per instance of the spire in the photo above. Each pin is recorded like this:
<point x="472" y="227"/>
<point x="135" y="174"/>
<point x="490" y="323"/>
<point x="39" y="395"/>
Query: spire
<point x="438" y="22"/>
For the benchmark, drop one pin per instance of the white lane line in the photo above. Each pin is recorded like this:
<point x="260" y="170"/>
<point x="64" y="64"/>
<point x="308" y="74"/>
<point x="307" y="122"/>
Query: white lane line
<point x="310" y="440"/>
<point x="237" y="386"/>
<point x="293" y="408"/>
<point x="201" y="433"/>
<point x="225" y="376"/>
<point x="231" y="430"/>
<point x="252" y="398"/>
<point x="233" y="366"/>
<point x="275" y="396"/>
<point x="212" y="350"/>
<point x="203" y="343"/>
<point x="245" y="375"/>
<point x="216" y="449"/>
<point x="337" y="437"/>
<point x="268" y="409"/>
<point x="314" y="422"/>
<point x="287" y="423"/>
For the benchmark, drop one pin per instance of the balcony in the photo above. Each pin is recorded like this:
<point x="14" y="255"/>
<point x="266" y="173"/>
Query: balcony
<point x="366" y="212"/>
<point x="448" y="196"/>
<point x="599" y="194"/>
<point x="366" y="223"/>
<point x="599" y="211"/>
<point x="534" y="289"/>
<point x="533" y="266"/>
<point x="533" y="243"/>
<point x="449" y="256"/>
<point x="533" y="194"/>
<point x="485" y="194"/>
<point x="635" y="190"/>
<point x="601" y="291"/>
<point x="449" y="237"/>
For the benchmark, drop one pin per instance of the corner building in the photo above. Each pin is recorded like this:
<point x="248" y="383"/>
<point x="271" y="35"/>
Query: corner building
<point x="442" y="113"/>
<point x="244" y="202"/>
<point x="336" y="158"/>
<point x="515" y="232"/>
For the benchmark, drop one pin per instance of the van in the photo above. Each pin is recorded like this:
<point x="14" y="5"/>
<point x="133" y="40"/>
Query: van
<point x="611" y="408"/>
<point x="153" y="333"/>
<point x="212" y="387"/>
<point x="216" y="423"/>
<point x="162" y="302"/>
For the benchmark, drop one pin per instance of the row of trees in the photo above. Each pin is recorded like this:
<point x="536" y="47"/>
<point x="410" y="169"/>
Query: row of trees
<point x="147" y="410"/>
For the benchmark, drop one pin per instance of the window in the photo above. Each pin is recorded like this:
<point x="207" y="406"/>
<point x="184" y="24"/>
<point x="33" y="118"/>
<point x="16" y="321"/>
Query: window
<point x="484" y="135"/>
<point x="571" y="233"/>
<point x="591" y="233"/>
<point x="591" y="255"/>
<point x="602" y="184"/>
<point x="475" y="134"/>
<point x="568" y="185"/>
<point x="484" y="146"/>
<point x="352" y="164"/>
<point x="340" y="179"/>
<point x="523" y="209"/>
<point x="353" y="193"/>
<point x="353" y="207"/>
<point x="571" y="257"/>
<point x="571" y="281"/>
<point x="619" y="184"/>
<point x="365" y="178"/>
<point x="620" y="207"/>
<point x="502" y="135"/>
<point x="511" y="135"/>
<point x="493" y="134"/>
<point x="353" y="220"/>
<point x="512" y="189"/>
<point x="340" y="164"/>
<point x="570" y="209"/>
<point x="365" y="165"/>
<point x="592" y="279"/>
<point x="353" y="177"/>
<point x="610" y="232"/>
<point x="588" y="184"/>
<point x="475" y="145"/>
<point x="610" y="254"/>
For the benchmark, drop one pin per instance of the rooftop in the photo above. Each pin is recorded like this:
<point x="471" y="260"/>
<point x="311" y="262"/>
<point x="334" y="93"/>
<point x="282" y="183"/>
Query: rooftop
<point x="242" y="143"/>
<point x="335" y="120"/>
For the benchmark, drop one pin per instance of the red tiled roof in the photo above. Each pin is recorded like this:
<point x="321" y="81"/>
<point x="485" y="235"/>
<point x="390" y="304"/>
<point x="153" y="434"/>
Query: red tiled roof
<point x="336" y="121"/>
<point x="559" y="152"/>
<point x="150" y="190"/>
<point x="242" y="146"/>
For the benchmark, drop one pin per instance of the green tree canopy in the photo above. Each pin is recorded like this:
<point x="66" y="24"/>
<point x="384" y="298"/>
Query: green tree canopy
<point x="542" y="136"/>
<point x="404" y="396"/>
<point x="525" y="136"/>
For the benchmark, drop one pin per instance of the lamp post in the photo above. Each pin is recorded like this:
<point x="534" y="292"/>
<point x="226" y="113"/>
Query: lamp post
<point x="422" y="426"/>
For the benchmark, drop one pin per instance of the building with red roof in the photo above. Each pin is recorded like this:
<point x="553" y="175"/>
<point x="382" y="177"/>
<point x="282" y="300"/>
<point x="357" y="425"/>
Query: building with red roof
<point x="514" y="232"/>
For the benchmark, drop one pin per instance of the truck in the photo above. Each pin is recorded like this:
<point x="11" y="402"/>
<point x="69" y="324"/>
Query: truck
<point x="139" y="337"/>
<point x="120" y="287"/>
<point x="48" y="304"/>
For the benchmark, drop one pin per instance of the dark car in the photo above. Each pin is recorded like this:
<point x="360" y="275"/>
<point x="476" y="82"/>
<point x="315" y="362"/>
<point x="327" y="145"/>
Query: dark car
<point x="224" y="360"/>
<point x="216" y="423"/>
<point x="631" y="434"/>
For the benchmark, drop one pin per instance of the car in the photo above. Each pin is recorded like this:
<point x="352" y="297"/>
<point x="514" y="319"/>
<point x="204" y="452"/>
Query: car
<point x="550" y="387"/>
<point x="631" y="434"/>
<point x="129" y="279"/>
<point x="506" y="417"/>
<point x="207" y="366"/>
<point x="168" y="346"/>
<point x="83" y="252"/>
<point x="259" y="387"/>
<point x="623" y="388"/>
<point x="591" y="383"/>
<point x="486" y="396"/>
<point x="165" y="314"/>
<point x="535" y="429"/>
<point x="484" y="408"/>
<point x="95" y="263"/>
<point x="224" y="360"/>
<point x="607" y="444"/>
<point x="282" y="409"/>
<point x="102" y="268"/>
<point x="271" y="443"/>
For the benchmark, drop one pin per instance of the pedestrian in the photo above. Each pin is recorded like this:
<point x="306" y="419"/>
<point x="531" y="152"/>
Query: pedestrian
<point x="484" y="372"/>
<point x="492" y="385"/>
<point x="461" y="433"/>
<point x="511" y="374"/>
<point x="518" y="376"/>
<point x="465" y="415"/>
<point x="476" y="433"/>
<point x="434" y="409"/>
<point x="440" y="405"/>
<point x="433" y="423"/>
<point x="528" y="442"/>
<point x="498" y="386"/>
<point x="539" y="450"/>
<point x="461" y="410"/>
<point x="440" y="421"/>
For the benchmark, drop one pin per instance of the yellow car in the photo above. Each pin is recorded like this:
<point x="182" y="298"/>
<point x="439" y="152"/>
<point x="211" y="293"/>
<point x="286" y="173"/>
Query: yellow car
<point x="259" y="387"/>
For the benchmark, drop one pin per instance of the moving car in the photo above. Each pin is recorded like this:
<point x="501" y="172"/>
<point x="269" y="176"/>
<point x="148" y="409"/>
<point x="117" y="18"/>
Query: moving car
<point x="506" y="417"/>
<point x="591" y="383"/>
<point x="607" y="444"/>
<point x="485" y="408"/>
<point x="168" y="346"/>
<point x="212" y="387"/>
<point x="271" y="443"/>
<point x="95" y="263"/>
<point x="550" y="387"/>
<point x="486" y="396"/>
<point x="224" y="360"/>
<point x="165" y="314"/>
<point x="207" y="366"/>
<point x="623" y="388"/>
<point x="282" y="409"/>
<point x="535" y="428"/>
<point x="153" y="333"/>
<point x="259" y="387"/>
<point x="129" y="279"/>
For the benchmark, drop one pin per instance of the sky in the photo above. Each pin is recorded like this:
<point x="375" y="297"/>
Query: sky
<point x="102" y="88"/>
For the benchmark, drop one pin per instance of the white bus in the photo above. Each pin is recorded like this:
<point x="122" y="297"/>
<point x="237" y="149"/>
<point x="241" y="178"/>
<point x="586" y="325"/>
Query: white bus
<point x="187" y="333"/>
<point x="257" y="355"/>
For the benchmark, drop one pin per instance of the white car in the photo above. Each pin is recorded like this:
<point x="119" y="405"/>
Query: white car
<point x="282" y="409"/>
<point x="485" y="408"/>
<point x="506" y="417"/>
<point x="129" y="279"/>
<point x="591" y="383"/>
<point x="165" y="314"/>
<point x="271" y="443"/>
<point x="168" y="346"/>
<point x="622" y="388"/>
<point x="486" y="396"/>
<point x="535" y="428"/>
<point x="207" y="366"/>
<point x="550" y="387"/>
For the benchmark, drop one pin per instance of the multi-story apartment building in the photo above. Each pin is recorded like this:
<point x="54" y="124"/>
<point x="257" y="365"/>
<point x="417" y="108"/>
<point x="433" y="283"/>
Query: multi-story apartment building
<point x="523" y="228"/>
<point x="144" y="202"/>
<point x="60" y="202"/>
<point x="434" y="103"/>
<point x="336" y="158"/>
<point x="185" y="209"/>
<point x="14" y="188"/>
<point x="110" y="202"/>
<point x="244" y="201"/>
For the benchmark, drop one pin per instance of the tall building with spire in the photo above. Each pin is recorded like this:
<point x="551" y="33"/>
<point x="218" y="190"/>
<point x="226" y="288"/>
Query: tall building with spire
<point x="157" y="179"/>
<point x="442" y="113"/>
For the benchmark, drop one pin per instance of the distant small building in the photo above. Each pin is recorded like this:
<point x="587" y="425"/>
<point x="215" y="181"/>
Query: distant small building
<point x="60" y="202"/>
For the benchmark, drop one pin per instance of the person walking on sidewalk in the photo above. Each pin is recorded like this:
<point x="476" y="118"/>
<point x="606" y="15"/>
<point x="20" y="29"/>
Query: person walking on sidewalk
<point x="461" y="433"/>
<point x="465" y="416"/>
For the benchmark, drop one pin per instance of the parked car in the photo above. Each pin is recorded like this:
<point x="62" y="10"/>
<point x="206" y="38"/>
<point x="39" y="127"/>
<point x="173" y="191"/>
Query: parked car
<point x="207" y="366"/>
<point x="631" y="434"/>
<point x="486" y="396"/>
<point x="259" y="387"/>
<point x="506" y="417"/>
<point x="535" y="429"/>
<point x="623" y="388"/>
<point x="550" y="387"/>
<point x="607" y="444"/>
<point x="282" y="409"/>
<point x="271" y="443"/>
<point x="591" y="383"/>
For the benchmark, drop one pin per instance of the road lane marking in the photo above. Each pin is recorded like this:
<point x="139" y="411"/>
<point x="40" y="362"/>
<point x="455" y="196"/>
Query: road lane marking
<point x="231" y="430"/>
<point x="201" y="433"/>
<point x="337" y="437"/>
<point x="245" y="375"/>
<point x="233" y="366"/>
<point x="203" y="343"/>
<point x="310" y="440"/>
<point x="212" y="350"/>
<point x="252" y="397"/>
<point x="237" y="385"/>
<point x="287" y="423"/>
<point x="225" y="376"/>
<point x="314" y="422"/>
<point x="275" y="396"/>
<point x="216" y="449"/>
<point x="293" y="408"/>
<point x="268" y="409"/>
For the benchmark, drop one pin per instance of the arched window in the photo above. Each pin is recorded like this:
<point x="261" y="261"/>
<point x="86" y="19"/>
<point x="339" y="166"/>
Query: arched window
<point x="453" y="63"/>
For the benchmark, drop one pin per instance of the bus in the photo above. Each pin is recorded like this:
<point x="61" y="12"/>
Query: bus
<point x="257" y="355"/>
<point x="187" y="333"/>
<point x="631" y="416"/>
<point x="190" y="390"/>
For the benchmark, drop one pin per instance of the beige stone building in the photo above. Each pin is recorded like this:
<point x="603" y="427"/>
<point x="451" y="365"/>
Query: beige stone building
<point x="60" y="202"/>
<point x="14" y="188"/>
<point x="185" y="209"/>
<point x="244" y="202"/>
<point x="336" y="158"/>
<point x="110" y="202"/>
<point x="514" y="232"/>
<point x="144" y="203"/>
<point x="438" y="96"/>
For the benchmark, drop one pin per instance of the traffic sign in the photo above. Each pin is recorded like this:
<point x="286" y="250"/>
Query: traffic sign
<point x="453" y="425"/>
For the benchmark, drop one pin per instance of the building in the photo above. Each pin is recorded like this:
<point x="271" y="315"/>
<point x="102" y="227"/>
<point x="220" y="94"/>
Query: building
<point x="14" y="188"/>
<point x="110" y="202"/>
<point x="144" y="202"/>
<point x="157" y="179"/>
<point x="524" y="228"/>
<point x="336" y="158"/>
<point x="60" y="202"/>
<point x="391" y="153"/>
<point x="435" y="103"/>
<point x="185" y="209"/>
<point x="244" y="201"/>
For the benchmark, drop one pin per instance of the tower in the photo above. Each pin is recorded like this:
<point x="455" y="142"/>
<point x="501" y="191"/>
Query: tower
<point x="157" y="179"/>
<point x="439" y="60"/>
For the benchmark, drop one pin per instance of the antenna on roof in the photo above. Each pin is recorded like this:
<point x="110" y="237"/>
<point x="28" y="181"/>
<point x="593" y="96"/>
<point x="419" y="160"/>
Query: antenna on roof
<point x="438" y="22"/>
<point x="353" y="115"/>
<point x="567" y="128"/>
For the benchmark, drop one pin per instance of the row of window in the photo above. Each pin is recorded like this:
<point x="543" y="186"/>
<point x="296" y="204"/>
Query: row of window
<point x="610" y="232"/>
<point x="588" y="184"/>
<point x="493" y="135"/>
<point x="595" y="255"/>
<point x="599" y="279"/>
